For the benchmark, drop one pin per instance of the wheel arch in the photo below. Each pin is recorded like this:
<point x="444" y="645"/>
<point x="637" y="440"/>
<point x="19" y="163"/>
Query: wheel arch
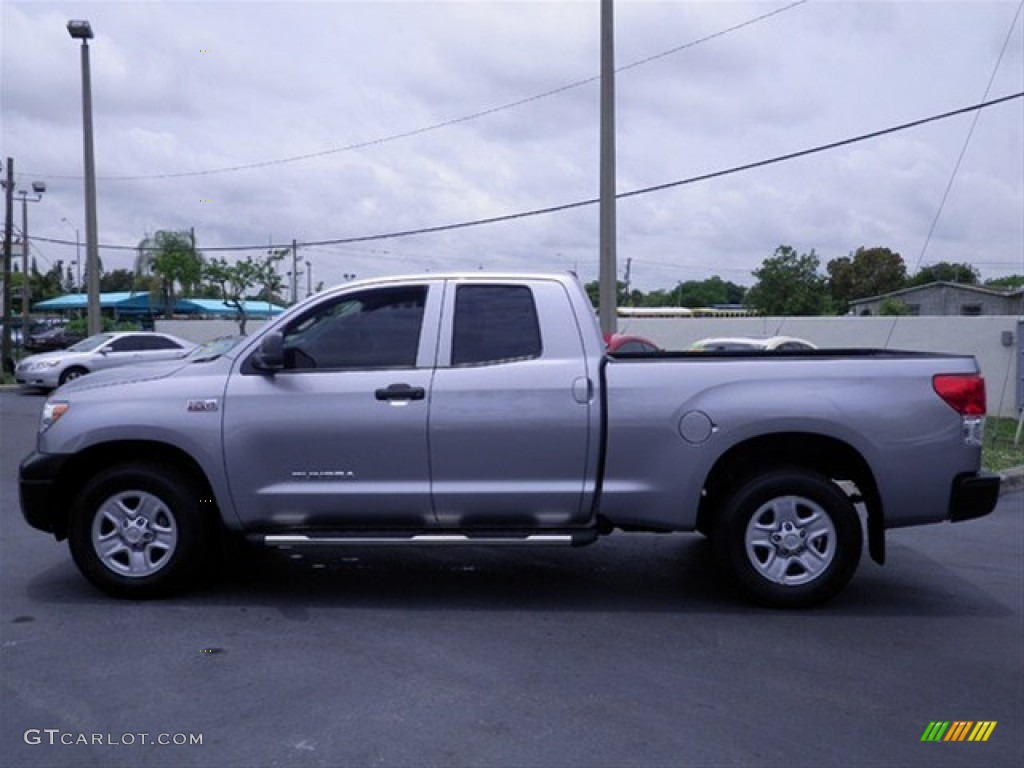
<point x="828" y="456"/>
<point x="63" y="377"/>
<point x="86" y="464"/>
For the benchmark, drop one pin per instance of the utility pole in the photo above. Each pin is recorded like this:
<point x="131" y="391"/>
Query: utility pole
<point x="629" y="264"/>
<point x="25" y="287"/>
<point x="38" y="188"/>
<point x="607" y="279"/>
<point x="192" y="243"/>
<point x="295" y="272"/>
<point x="5" y="347"/>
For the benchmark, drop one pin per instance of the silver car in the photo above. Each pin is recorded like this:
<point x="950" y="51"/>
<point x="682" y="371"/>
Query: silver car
<point x="104" y="350"/>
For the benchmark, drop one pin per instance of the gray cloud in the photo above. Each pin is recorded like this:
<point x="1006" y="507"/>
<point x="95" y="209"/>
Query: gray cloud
<point x="189" y="88"/>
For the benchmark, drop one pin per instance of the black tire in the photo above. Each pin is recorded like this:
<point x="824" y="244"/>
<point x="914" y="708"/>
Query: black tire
<point x="71" y="374"/>
<point x="137" y="531"/>
<point x="790" y="537"/>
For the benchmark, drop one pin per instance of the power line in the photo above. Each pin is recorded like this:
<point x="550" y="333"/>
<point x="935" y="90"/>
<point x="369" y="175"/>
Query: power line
<point x="967" y="140"/>
<point x="593" y="201"/>
<point x="33" y="247"/>
<point x="826" y="147"/>
<point x="453" y="121"/>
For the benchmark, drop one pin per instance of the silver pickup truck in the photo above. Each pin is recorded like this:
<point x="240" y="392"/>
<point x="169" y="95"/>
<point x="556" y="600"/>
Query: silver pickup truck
<point x="482" y="409"/>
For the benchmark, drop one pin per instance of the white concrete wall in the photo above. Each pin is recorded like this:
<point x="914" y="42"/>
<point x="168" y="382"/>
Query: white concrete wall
<point x="978" y="336"/>
<point x="199" y="331"/>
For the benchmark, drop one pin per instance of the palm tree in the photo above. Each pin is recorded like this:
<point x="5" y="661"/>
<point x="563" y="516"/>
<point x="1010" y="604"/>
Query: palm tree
<point x="171" y="257"/>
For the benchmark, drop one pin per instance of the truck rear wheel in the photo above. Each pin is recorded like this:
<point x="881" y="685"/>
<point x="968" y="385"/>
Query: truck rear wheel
<point x="137" y="531"/>
<point x="791" y="538"/>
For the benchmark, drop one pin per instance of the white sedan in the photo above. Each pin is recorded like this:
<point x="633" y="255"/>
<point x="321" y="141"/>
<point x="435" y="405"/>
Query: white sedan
<point x="104" y="350"/>
<point x="751" y="343"/>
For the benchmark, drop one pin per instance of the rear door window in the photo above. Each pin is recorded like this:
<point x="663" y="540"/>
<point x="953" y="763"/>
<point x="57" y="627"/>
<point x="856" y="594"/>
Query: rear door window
<point x="159" y="342"/>
<point x="493" y="324"/>
<point x="127" y="344"/>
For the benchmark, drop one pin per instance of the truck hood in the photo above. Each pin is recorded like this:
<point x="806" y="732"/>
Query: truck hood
<point x="124" y="375"/>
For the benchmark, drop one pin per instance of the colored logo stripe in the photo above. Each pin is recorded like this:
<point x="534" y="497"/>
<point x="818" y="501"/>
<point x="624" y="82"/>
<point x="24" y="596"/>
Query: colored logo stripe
<point x="958" y="730"/>
<point x="982" y="730"/>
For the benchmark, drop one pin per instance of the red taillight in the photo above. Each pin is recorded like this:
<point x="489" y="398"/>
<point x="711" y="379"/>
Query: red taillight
<point x="965" y="393"/>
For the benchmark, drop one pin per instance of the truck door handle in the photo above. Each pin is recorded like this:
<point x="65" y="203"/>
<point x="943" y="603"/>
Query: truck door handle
<point x="582" y="390"/>
<point x="400" y="392"/>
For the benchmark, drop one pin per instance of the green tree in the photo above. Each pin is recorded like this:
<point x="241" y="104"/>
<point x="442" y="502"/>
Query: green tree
<point x="593" y="289"/>
<point x="788" y="283"/>
<point x="118" y="280"/>
<point x="1006" y="283"/>
<point x="865" y="272"/>
<point x="947" y="272"/>
<point x="892" y="307"/>
<point x="658" y="298"/>
<point x="704" y="293"/>
<point x="207" y="290"/>
<point x="238" y="278"/>
<point x="47" y="285"/>
<point x="172" y="257"/>
<point x="272" y="289"/>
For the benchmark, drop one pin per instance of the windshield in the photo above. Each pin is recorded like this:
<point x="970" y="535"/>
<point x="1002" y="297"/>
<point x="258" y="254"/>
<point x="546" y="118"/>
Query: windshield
<point x="212" y="349"/>
<point x="88" y="345"/>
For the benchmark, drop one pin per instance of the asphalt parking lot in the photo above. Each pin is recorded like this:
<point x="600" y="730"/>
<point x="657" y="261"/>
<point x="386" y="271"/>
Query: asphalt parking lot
<point x="626" y="653"/>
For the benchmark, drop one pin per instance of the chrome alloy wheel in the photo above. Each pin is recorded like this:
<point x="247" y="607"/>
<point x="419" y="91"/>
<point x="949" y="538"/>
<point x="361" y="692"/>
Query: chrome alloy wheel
<point x="790" y="540"/>
<point x="134" y="534"/>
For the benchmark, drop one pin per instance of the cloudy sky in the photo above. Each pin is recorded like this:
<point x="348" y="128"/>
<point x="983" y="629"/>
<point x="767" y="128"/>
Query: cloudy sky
<point x="260" y="123"/>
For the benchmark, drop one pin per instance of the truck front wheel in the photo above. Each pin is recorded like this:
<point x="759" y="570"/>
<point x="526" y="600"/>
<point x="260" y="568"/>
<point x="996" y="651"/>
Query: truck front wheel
<point x="791" y="538"/>
<point x="137" y="531"/>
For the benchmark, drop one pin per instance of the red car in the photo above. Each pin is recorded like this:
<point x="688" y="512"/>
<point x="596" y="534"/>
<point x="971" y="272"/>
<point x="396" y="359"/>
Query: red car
<point x="619" y="342"/>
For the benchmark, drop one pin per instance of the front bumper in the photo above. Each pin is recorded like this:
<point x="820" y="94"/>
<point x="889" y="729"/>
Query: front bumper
<point x="47" y="378"/>
<point x="41" y="502"/>
<point x="973" y="496"/>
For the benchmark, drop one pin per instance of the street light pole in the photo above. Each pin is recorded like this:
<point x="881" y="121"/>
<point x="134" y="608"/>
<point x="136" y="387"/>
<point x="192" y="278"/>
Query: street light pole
<point x="82" y="30"/>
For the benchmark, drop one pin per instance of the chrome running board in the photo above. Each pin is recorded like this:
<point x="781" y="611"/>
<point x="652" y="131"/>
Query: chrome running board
<point x="287" y="540"/>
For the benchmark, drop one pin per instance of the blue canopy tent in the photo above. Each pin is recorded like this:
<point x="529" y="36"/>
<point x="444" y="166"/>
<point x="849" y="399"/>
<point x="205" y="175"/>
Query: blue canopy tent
<point x="216" y="307"/>
<point x="134" y="304"/>
<point x="73" y="301"/>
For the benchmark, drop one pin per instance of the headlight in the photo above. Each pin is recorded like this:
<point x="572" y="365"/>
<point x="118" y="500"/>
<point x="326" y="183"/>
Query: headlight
<point x="39" y="365"/>
<point x="52" y="411"/>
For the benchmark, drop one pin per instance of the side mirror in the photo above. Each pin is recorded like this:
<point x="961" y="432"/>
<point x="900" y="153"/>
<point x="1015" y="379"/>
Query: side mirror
<point x="270" y="355"/>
